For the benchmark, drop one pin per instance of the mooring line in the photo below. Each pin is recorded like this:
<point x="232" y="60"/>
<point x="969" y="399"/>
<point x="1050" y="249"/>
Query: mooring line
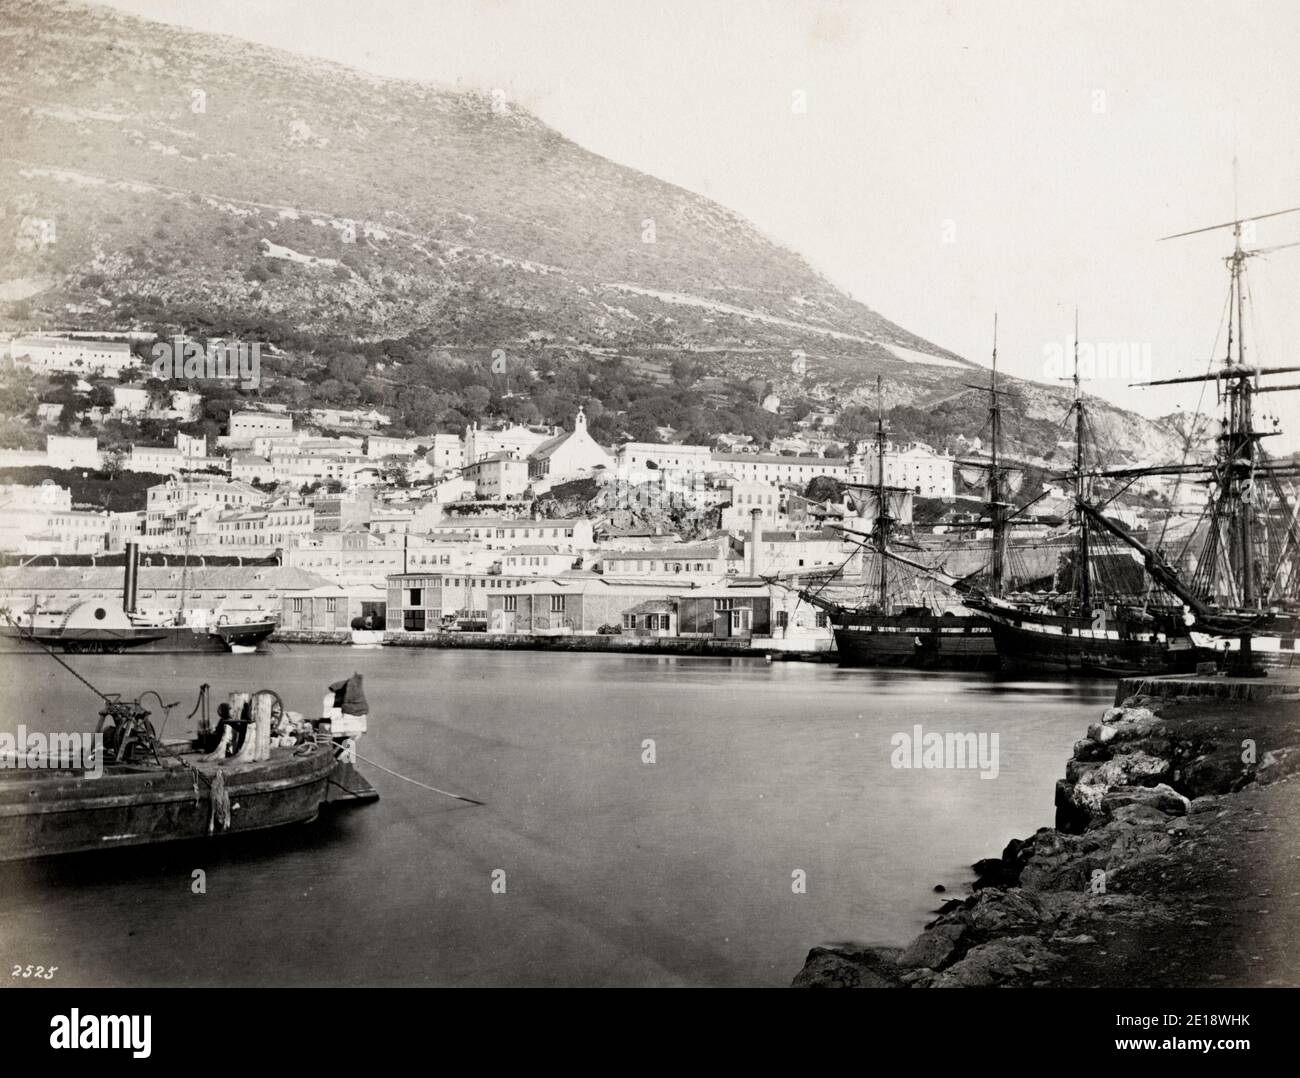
<point x="416" y="782"/>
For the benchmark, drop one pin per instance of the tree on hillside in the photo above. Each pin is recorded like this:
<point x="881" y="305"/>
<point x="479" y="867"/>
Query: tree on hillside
<point x="101" y="395"/>
<point x="824" y="488"/>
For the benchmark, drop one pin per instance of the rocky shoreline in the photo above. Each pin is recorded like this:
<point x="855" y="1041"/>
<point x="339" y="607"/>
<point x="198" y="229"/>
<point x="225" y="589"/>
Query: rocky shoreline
<point x="1174" y="861"/>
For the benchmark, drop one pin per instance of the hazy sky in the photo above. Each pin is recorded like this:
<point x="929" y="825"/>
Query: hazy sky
<point x="950" y="160"/>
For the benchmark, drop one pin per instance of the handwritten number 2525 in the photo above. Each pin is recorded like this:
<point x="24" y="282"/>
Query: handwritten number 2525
<point x="41" y="973"/>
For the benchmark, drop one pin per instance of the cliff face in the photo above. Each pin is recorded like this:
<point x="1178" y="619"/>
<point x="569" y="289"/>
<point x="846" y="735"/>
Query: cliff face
<point x="166" y="178"/>
<point x="1174" y="861"/>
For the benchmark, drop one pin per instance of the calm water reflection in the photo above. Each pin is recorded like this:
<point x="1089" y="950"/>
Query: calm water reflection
<point x="617" y="872"/>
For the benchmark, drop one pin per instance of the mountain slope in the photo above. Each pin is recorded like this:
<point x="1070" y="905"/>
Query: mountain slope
<point x="197" y="180"/>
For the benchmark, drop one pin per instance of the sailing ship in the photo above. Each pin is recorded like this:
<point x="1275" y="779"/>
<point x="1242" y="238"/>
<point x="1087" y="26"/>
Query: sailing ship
<point x="1102" y="619"/>
<point x="1241" y="598"/>
<point x="882" y="634"/>
<point x="1239" y="605"/>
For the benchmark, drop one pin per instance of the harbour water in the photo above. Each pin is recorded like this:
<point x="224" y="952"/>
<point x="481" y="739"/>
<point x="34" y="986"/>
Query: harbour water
<point x="616" y="871"/>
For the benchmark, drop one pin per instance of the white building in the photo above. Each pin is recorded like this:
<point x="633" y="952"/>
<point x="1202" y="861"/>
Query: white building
<point x="174" y="509"/>
<point x="915" y="467"/>
<point x="130" y="400"/>
<point x="306" y="468"/>
<point x="245" y="467"/>
<point x="537" y="560"/>
<point x="350" y="417"/>
<point x="188" y="454"/>
<point x="775" y="470"/>
<point x="69" y="451"/>
<point x="47" y="354"/>
<point x="641" y="462"/>
<point x="517" y="440"/>
<point x="498" y="475"/>
<point x="379" y="445"/>
<point x="568" y="455"/>
<point x="501" y="533"/>
<point x="746" y="497"/>
<point x="270" y="527"/>
<point x="705" y="561"/>
<point x="245" y="426"/>
<point x="446" y="453"/>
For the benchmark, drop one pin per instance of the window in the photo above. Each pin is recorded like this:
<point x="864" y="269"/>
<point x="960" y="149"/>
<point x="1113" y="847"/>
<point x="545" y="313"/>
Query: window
<point x="723" y="604"/>
<point x="331" y="605"/>
<point x="297" y="606"/>
<point x="511" y="602"/>
<point x="557" y="604"/>
<point x="740" y="619"/>
<point x="413" y="621"/>
<point x="415" y="597"/>
<point x="783" y="619"/>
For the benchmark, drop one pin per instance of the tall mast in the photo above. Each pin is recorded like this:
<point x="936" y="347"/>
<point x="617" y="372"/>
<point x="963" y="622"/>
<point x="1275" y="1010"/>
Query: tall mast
<point x="1083" y="570"/>
<point x="185" y="564"/>
<point x="882" y="507"/>
<point x="1241" y="438"/>
<point x="995" y="479"/>
<point x="1238" y="452"/>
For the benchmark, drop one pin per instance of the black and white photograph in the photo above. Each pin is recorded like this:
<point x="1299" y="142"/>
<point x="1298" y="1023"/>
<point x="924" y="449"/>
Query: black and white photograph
<point x="650" y="493"/>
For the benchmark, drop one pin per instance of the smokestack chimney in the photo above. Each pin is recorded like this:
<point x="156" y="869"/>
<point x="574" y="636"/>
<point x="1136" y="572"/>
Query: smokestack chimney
<point x="755" y="537"/>
<point x="130" y="577"/>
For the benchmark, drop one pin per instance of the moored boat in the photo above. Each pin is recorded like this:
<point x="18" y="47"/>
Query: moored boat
<point x="1047" y="641"/>
<point x="1237" y="578"/>
<point x="954" y="638"/>
<point x="261" y="767"/>
<point x="97" y="627"/>
<point x="919" y="637"/>
<point x="367" y="631"/>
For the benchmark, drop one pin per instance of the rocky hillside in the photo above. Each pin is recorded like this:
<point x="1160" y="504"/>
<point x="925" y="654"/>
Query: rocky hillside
<point x="159" y="177"/>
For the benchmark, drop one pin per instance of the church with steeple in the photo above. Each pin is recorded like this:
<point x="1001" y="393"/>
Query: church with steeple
<point x="569" y="455"/>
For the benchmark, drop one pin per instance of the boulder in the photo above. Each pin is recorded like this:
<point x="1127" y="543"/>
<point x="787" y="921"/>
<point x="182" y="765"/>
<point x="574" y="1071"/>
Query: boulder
<point x="1090" y="750"/>
<point x="933" y="949"/>
<point x="997" y="913"/>
<point x="1212" y="773"/>
<point x="1139" y="815"/>
<point x="827" y="968"/>
<point x="1101" y="733"/>
<point x="1015" y="959"/>
<point x="1131" y="769"/>
<point x="1161" y="797"/>
<point x="1135" y="722"/>
<point x="1075" y="805"/>
<point x="989" y="872"/>
<point x="1278" y="764"/>
<point x="1068" y="870"/>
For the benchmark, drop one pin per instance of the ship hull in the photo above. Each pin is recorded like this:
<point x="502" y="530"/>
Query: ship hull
<point x="1267" y="648"/>
<point x="937" y="642"/>
<point x="1064" y="644"/>
<point x="155" y="639"/>
<point x="47" y="812"/>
